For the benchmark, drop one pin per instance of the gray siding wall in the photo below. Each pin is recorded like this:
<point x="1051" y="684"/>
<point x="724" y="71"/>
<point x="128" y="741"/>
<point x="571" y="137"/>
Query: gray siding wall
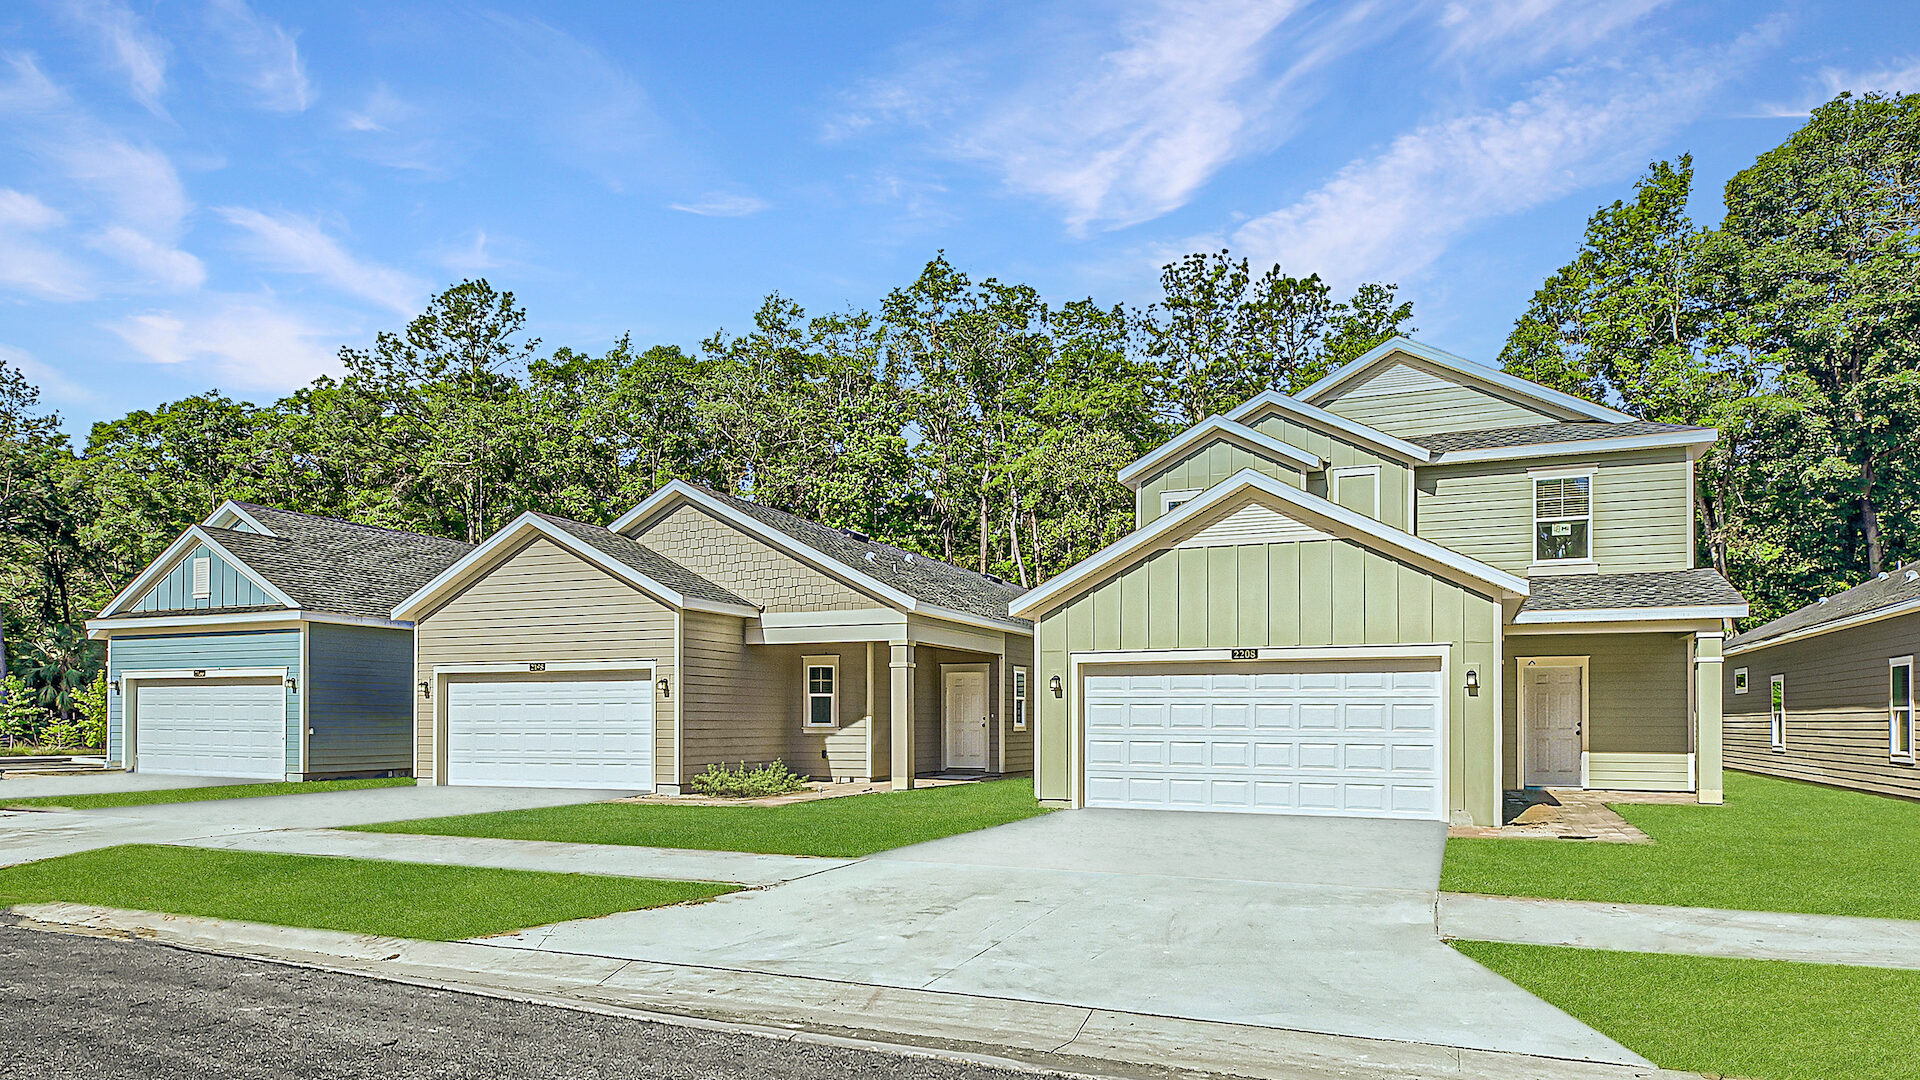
<point x="1435" y="404"/>
<point x="1642" y="506"/>
<point x="1638" y="700"/>
<point x="1201" y="468"/>
<point x="250" y="648"/>
<point x="1836" y="697"/>
<point x="540" y="605"/>
<point x="1396" y="479"/>
<point x="359" y="699"/>
<point x="229" y="587"/>
<point x="745" y="566"/>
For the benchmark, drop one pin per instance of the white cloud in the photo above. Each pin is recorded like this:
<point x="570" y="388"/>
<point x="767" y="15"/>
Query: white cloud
<point x="19" y="210"/>
<point x="297" y="245"/>
<point x="584" y="104"/>
<point x="27" y="264"/>
<point x="29" y="91"/>
<point x="137" y="184"/>
<point x="1388" y="217"/>
<point x="472" y="259"/>
<point x="382" y="111"/>
<point x="247" y="342"/>
<point x="1899" y="77"/>
<point x="723" y="204"/>
<point x="161" y="264"/>
<point x="129" y="45"/>
<point x="262" y="56"/>
<point x="1507" y="31"/>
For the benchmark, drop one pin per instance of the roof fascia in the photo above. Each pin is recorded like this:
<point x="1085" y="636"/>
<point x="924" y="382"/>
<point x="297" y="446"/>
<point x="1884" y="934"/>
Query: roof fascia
<point x="194" y="536"/>
<point x="1703" y="437"/>
<point x="1632" y="614"/>
<point x="1284" y="452"/>
<point x="1314" y="416"/>
<point x="98" y="629"/>
<point x="1905" y="607"/>
<point x="1459" y="365"/>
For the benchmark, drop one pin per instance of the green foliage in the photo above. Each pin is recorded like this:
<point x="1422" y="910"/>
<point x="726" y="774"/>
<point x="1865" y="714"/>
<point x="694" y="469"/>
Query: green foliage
<point x="91" y="705"/>
<point x="21" y="717"/>
<point x="757" y="782"/>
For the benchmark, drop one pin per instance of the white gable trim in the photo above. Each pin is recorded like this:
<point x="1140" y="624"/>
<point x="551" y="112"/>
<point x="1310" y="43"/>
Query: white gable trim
<point x="170" y="558"/>
<point x="476" y="564"/>
<point x="1313" y="416"/>
<point x="1258" y="441"/>
<point x="232" y="511"/>
<point x="1155" y="536"/>
<point x="1553" y="400"/>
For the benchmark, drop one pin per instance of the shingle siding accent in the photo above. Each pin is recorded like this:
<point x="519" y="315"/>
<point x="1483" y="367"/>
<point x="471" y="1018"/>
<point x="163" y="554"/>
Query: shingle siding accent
<point x="744" y="565"/>
<point x="637" y="556"/>
<point x="1426" y="403"/>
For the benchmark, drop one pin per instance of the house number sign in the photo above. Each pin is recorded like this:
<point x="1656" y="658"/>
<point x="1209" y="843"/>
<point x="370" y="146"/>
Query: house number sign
<point x="1246" y="654"/>
<point x="536" y="667"/>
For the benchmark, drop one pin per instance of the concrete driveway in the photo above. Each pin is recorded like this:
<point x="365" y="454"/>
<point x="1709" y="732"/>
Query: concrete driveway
<point x="1311" y="924"/>
<point x="32" y="787"/>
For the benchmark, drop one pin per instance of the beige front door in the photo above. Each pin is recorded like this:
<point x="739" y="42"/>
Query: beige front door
<point x="966" y="719"/>
<point x="1553" y="712"/>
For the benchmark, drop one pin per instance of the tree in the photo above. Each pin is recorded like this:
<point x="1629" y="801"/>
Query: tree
<point x="32" y="453"/>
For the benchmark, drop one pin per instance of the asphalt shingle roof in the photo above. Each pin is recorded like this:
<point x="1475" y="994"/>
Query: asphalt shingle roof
<point x="1894" y="587"/>
<point x="644" y="559"/>
<point x="926" y="580"/>
<point x="1652" y="589"/>
<point x="1541" y="434"/>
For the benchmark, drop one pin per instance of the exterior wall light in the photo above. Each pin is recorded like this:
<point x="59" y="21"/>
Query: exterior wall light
<point x="426" y="690"/>
<point x="1053" y="684"/>
<point x="665" y="687"/>
<point x="1473" y="681"/>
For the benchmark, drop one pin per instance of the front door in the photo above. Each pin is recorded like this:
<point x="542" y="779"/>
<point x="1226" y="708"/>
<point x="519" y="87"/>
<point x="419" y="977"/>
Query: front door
<point x="966" y="719"/>
<point x="1553" y="712"/>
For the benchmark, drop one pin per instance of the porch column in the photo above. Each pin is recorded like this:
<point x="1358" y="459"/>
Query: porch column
<point x="902" y="717"/>
<point x="1707" y="662"/>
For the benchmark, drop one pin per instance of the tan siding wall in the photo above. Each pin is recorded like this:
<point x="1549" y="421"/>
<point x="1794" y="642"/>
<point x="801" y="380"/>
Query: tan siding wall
<point x="545" y="604"/>
<point x="745" y="566"/>
<point x="1641" y="508"/>
<point x="1203" y="467"/>
<point x="1638" y="700"/>
<point x="1020" y="743"/>
<point x="1836" y="696"/>
<point x="1433" y="409"/>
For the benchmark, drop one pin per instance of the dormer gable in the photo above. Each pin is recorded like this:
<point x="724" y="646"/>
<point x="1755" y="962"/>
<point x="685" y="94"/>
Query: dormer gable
<point x="1205" y="454"/>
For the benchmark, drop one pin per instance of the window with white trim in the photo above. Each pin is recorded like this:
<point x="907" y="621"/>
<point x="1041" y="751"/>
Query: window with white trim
<point x="1900" y="733"/>
<point x="1019" y="699"/>
<point x="823" y="703"/>
<point x="1172" y="500"/>
<point x="202" y="578"/>
<point x="1357" y="488"/>
<point x="1777" y="711"/>
<point x="1739" y="680"/>
<point x="1563" y="518"/>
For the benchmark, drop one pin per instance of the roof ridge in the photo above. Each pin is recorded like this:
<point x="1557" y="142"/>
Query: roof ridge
<point x="331" y="520"/>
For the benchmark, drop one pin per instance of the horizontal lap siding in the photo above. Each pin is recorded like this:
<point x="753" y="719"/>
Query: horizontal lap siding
<point x="359" y="699"/>
<point x="746" y="703"/>
<point x="1019" y="743"/>
<point x="1204" y="467"/>
<point x="1836" y="696"/>
<point x="1642" y="503"/>
<point x="545" y="604"/>
<point x="747" y="566"/>
<point x="228" y="587"/>
<point x="1412" y="414"/>
<point x="1638" y="699"/>
<point x="253" y="648"/>
<point x="930" y="704"/>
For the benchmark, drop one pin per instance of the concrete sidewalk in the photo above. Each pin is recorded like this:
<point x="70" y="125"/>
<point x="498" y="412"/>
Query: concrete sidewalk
<point x="739" y="868"/>
<point x="1752" y="935"/>
<point x="1095" y="1041"/>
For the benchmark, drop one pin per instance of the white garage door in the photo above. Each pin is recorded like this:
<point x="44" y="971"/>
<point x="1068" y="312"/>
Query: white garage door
<point x="211" y="728"/>
<point x="578" y="733"/>
<point x="1349" y="742"/>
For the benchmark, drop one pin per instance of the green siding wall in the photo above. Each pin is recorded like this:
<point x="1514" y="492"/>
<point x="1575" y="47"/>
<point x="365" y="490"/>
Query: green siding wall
<point x="1331" y="592"/>
<point x="1638" y="699"/>
<point x="1395" y="477"/>
<point x="1431" y="405"/>
<point x="1203" y="467"/>
<point x="250" y="648"/>
<point x="360" y="699"/>
<point x="229" y="587"/>
<point x="1642" y="504"/>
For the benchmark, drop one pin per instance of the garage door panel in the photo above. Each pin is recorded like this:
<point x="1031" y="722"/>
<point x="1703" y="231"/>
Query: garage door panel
<point x="1365" y="741"/>
<point x="211" y="728"/>
<point x="579" y="733"/>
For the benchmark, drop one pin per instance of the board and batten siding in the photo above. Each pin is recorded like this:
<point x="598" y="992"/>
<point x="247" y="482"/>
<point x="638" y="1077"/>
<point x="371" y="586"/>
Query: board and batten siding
<point x="359" y="699"/>
<point x="1314" y="593"/>
<point x="1201" y="468"/>
<point x="544" y="604"/>
<point x="1642" y="503"/>
<point x="1639" y="728"/>
<point x="227" y="587"/>
<point x="745" y="565"/>
<point x="1409" y="400"/>
<point x="1836" y="697"/>
<point x="238" y="649"/>
<point x="1396" y="479"/>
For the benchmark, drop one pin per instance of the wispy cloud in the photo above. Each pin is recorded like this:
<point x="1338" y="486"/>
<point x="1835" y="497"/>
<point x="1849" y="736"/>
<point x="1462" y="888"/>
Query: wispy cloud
<point x="1511" y="31"/>
<point x="722" y="204"/>
<point x="473" y="258"/>
<point x="261" y="55"/>
<point x="593" y="113"/>
<point x="243" y="341"/>
<point x="135" y="183"/>
<point x="53" y="386"/>
<point x="28" y="264"/>
<point x="162" y="264"/>
<point x="1902" y="77"/>
<point x="382" y="111"/>
<point x="129" y="45"/>
<point x="297" y="245"/>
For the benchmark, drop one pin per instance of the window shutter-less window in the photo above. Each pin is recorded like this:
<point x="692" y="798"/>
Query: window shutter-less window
<point x="202" y="578"/>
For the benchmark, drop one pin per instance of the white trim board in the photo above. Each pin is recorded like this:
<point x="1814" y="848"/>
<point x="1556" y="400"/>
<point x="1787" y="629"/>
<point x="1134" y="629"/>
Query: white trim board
<point x="1332" y="424"/>
<point x="98" y="629"/>
<point x="1459" y="365"/>
<point x="1192" y="438"/>
<point x="233" y="510"/>
<point x="1639" y="614"/>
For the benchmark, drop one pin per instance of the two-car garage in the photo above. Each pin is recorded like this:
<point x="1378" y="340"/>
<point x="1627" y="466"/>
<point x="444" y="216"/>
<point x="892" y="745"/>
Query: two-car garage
<point x="592" y="730"/>
<point x="211" y="726"/>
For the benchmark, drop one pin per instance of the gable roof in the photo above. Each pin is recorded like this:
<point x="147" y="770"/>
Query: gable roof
<point x="913" y="582"/>
<point x="1314" y="416"/>
<point x="310" y="563"/>
<point x="1896" y="592"/>
<point x="1552" y="401"/>
<point x="1699" y="593"/>
<point x="1379" y="535"/>
<point x="1534" y="440"/>
<point x="623" y="558"/>
<point x="1219" y="427"/>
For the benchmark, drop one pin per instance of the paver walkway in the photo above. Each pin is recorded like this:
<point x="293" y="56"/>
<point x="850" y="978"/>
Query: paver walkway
<point x="1755" y="935"/>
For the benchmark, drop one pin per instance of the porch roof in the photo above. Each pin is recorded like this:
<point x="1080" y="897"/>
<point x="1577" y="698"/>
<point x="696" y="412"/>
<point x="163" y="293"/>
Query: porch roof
<point x="1697" y="593"/>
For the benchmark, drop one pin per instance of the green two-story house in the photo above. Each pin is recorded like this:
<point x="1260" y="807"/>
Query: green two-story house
<point x="1417" y="583"/>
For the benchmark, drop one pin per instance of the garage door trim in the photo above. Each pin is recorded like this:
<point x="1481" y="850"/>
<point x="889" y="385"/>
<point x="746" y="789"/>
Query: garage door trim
<point x="444" y="673"/>
<point x="1076" y="710"/>
<point x="128" y="687"/>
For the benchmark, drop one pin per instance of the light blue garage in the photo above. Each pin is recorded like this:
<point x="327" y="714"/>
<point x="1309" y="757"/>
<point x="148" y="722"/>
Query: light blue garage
<point x="261" y="645"/>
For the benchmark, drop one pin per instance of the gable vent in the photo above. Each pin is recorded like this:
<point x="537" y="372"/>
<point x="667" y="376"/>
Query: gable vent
<point x="202" y="578"/>
<point x="1253" y="525"/>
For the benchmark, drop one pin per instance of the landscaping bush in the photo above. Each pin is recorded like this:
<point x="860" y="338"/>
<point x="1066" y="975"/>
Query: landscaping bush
<point x="721" y="782"/>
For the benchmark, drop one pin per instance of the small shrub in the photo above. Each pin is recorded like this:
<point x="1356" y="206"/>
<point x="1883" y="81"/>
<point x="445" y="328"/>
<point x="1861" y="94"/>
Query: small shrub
<point x="721" y="782"/>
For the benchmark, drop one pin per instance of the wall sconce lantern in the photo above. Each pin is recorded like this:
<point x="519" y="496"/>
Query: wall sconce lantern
<point x="1473" y="681"/>
<point x="1053" y="684"/>
<point x="665" y="687"/>
<point x="426" y="690"/>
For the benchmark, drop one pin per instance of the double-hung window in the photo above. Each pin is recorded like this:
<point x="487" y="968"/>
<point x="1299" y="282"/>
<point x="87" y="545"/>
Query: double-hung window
<point x="1019" y="699"/>
<point x="823" y="678"/>
<point x="1563" y="518"/>
<point x="1900" y="733"/>
<point x="1777" y="711"/>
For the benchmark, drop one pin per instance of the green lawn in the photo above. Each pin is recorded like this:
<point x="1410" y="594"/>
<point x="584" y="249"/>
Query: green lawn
<point x="841" y="828"/>
<point x="413" y="900"/>
<point x="1777" y="845"/>
<point x="199" y="794"/>
<point x="1764" y="1019"/>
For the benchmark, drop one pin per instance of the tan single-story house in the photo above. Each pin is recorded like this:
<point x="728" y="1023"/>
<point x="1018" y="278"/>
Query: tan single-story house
<point x="703" y="629"/>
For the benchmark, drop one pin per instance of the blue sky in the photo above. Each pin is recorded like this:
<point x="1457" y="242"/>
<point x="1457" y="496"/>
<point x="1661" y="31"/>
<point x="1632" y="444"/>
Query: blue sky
<point x="217" y="193"/>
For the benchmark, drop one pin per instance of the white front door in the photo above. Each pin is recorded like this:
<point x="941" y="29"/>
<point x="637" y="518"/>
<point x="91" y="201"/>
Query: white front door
<point x="966" y="719"/>
<point x="211" y="727"/>
<point x="551" y="732"/>
<point x="1552" y="711"/>
<point x="1362" y="740"/>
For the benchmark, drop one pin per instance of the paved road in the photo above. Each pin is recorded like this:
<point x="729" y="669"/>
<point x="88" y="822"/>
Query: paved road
<point x="85" y="1007"/>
